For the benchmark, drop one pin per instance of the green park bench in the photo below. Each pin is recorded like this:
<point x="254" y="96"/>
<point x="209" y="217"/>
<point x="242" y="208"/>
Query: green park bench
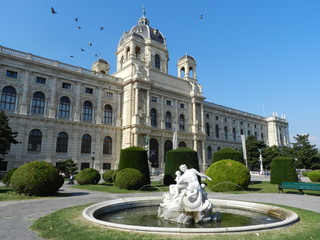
<point x="299" y="186"/>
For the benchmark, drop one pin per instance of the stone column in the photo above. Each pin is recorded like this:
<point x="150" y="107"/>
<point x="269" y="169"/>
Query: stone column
<point x="148" y="109"/>
<point x="52" y="103"/>
<point x="99" y="108"/>
<point x="77" y="109"/>
<point x="24" y="101"/>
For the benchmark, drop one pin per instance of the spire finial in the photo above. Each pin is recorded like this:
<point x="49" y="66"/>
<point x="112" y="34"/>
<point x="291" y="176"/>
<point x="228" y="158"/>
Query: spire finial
<point x="143" y="11"/>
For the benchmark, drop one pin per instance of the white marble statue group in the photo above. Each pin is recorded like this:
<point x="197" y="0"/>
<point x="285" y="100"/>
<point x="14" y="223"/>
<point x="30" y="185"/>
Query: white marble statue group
<point x="186" y="202"/>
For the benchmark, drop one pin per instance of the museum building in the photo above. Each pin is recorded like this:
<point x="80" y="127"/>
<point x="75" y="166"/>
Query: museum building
<point x="61" y="111"/>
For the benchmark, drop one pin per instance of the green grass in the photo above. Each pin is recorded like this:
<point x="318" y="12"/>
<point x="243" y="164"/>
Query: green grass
<point x="7" y="194"/>
<point x="110" y="188"/>
<point x="69" y="224"/>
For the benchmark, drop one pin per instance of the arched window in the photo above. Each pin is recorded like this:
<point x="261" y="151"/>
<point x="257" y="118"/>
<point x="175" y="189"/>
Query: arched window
<point x="256" y="135"/>
<point x="226" y="133"/>
<point x="157" y="61"/>
<point x="249" y="133"/>
<point x="241" y="131"/>
<point x="86" y="144"/>
<point x="182" y="72"/>
<point x="107" y="114"/>
<point x="182" y="144"/>
<point x="107" y="145"/>
<point x="262" y="137"/>
<point x="121" y="62"/>
<point x="168" y="120"/>
<point x="167" y="148"/>
<point x="34" y="142"/>
<point x="217" y="131"/>
<point x="87" y="111"/>
<point x="191" y="72"/>
<point x="153" y="117"/>
<point x="234" y="134"/>
<point x="154" y="153"/>
<point x="62" y="142"/>
<point x="38" y="103"/>
<point x="8" y="98"/>
<point x="138" y="53"/>
<point x="209" y="153"/>
<point x="64" y="107"/>
<point x="181" y="123"/>
<point x="208" y="129"/>
<point x="128" y="53"/>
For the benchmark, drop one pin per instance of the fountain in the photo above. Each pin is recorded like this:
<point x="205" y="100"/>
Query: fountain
<point x="187" y="209"/>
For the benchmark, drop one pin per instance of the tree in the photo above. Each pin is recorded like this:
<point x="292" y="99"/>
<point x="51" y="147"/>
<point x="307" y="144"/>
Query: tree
<point x="7" y="136"/>
<point x="68" y="167"/>
<point x="304" y="152"/>
<point x="253" y="145"/>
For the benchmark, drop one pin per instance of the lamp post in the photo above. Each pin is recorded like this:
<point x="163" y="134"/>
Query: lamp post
<point x="92" y="157"/>
<point x="260" y="160"/>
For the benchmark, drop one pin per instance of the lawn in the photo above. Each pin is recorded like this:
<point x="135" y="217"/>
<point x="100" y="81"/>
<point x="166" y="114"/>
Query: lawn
<point x="69" y="224"/>
<point x="7" y="194"/>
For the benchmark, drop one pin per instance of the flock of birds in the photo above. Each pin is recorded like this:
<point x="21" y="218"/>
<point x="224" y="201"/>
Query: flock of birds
<point x="53" y="11"/>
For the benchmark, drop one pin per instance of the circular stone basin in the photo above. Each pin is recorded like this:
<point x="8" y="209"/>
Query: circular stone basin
<point x="93" y="212"/>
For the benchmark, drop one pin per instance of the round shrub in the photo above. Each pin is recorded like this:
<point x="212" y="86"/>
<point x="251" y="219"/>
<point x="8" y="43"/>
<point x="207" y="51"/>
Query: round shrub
<point x="7" y="177"/>
<point x="109" y="176"/>
<point x="137" y="158"/>
<point x="88" y="176"/>
<point x="283" y="170"/>
<point x="174" y="159"/>
<point x="228" y="175"/>
<point x="129" y="178"/>
<point x="314" y="176"/>
<point x="227" y="153"/>
<point x="36" y="178"/>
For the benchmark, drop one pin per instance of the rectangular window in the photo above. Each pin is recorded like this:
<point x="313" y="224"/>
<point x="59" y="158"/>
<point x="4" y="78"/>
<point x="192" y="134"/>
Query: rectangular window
<point x="154" y="99"/>
<point x="225" y="119"/>
<point x="89" y="90"/>
<point x="40" y="80"/>
<point x="109" y="94"/>
<point x="84" y="165"/>
<point x="11" y="74"/>
<point x="217" y="118"/>
<point x="3" y="166"/>
<point x="106" y="166"/>
<point x="168" y="103"/>
<point x="182" y="105"/>
<point x="66" y="85"/>
<point x="207" y="115"/>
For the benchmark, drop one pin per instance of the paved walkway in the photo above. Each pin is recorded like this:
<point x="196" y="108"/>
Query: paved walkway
<point x="17" y="216"/>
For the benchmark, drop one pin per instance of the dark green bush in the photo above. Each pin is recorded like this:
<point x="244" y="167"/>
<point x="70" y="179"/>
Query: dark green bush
<point x="227" y="153"/>
<point x="314" y="176"/>
<point x="283" y="170"/>
<point x="7" y="177"/>
<point x="129" y="178"/>
<point x="228" y="175"/>
<point x="109" y="176"/>
<point x="177" y="157"/>
<point x="36" y="178"/>
<point x="88" y="176"/>
<point x="137" y="158"/>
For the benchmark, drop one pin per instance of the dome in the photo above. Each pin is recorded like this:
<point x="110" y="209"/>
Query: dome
<point x="186" y="57"/>
<point x="100" y="60"/>
<point x="143" y="31"/>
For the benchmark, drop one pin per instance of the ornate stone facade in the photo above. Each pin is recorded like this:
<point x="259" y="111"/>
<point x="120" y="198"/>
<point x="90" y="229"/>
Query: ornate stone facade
<point x="62" y="111"/>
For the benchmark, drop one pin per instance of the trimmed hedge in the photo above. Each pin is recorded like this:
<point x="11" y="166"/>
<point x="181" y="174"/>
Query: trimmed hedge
<point x="283" y="170"/>
<point x="137" y="158"/>
<point x="7" y="177"/>
<point x="174" y="159"/>
<point x="88" y="176"/>
<point x="228" y="175"/>
<point x="227" y="153"/>
<point x="36" y="178"/>
<point x="129" y="178"/>
<point x="109" y="176"/>
<point x="314" y="176"/>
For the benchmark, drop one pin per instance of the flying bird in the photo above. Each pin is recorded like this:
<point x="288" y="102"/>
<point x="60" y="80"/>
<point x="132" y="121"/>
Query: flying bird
<point x="82" y="49"/>
<point x="53" y="11"/>
<point x="79" y="27"/>
<point x="76" y="19"/>
<point x="201" y="16"/>
<point x="90" y="43"/>
<point x="101" y="28"/>
<point x="96" y="55"/>
<point x="72" y="56"/>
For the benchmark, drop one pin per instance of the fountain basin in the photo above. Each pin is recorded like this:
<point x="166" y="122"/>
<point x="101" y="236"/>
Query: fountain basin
<point x="286" y="217"/>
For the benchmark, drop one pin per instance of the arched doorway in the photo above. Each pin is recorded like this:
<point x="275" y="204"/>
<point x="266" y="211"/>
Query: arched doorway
<point x="154" y="153"/>
<point x="167" y="148"/>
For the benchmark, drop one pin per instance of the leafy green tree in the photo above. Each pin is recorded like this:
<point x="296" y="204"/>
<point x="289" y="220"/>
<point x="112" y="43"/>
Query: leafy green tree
<point x="304" y="152"/>
<point x="68" y="167"/>
<point x="253" y="145"/>
<point x="7" y="136"/>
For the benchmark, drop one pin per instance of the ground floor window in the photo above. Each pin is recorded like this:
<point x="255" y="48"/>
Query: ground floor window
<point x="106" y="166"/>
<point x="84" y="165"/>
<point x="3" y="166"/>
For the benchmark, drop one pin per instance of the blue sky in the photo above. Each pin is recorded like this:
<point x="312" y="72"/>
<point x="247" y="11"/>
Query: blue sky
<point x="259" y="56"/>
